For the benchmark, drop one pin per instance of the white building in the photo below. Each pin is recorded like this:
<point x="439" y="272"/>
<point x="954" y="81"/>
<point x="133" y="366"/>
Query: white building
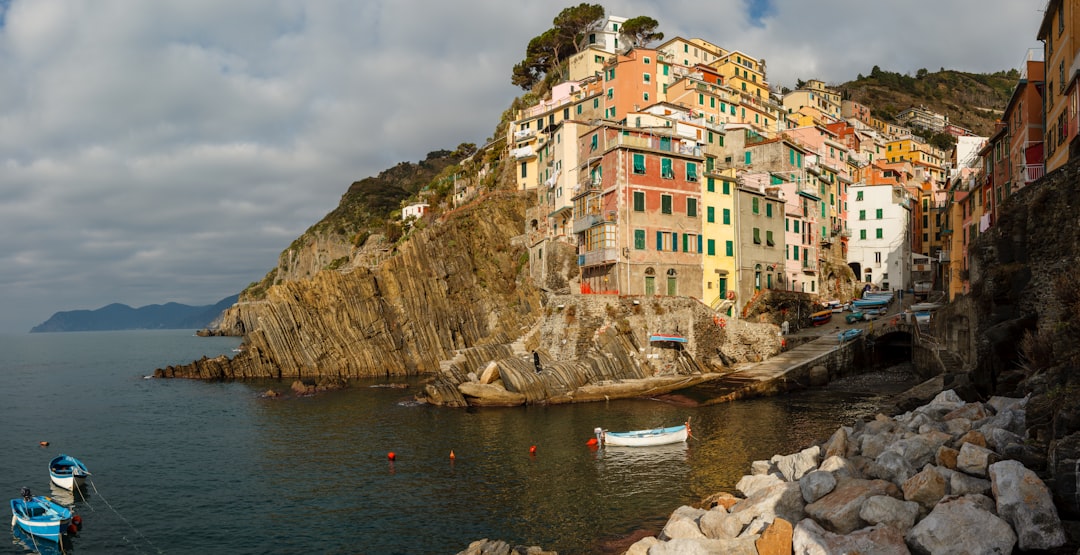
<point x="414" y="211"/>
<point x="879" y="251"/>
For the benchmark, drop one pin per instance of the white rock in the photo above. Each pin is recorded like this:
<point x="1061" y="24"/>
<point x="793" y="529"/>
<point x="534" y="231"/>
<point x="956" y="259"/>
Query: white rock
<point x="975" y="460"/>
<point x="882" y="509"/>
<point x="809" y="538"/>
<point x="683" y="523"/>
<point x="795" y="466"/>
<point x="641" y="547"/>
<point x="1000" y="404"/>
<point x="747" y="485"/>
<point x="960" y="525"/>
<point x="1024" y="501"/>
<point x="705" y="546"/>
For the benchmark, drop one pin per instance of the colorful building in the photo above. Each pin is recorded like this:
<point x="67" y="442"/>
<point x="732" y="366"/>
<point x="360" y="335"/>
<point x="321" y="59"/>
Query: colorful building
<point x="1059" y="32"/>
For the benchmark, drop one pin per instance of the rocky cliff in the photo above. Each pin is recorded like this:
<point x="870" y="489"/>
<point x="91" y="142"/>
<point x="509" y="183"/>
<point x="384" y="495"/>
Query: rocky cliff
<point x="455" y="284"/>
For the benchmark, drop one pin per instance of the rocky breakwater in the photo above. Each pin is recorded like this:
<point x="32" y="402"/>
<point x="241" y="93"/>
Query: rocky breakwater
<point x="947" y="477"/>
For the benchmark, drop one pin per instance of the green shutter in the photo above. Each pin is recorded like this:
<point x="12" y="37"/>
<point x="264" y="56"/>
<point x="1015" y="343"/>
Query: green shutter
<point x="727" y="216"/>
<point x="639" y="239"/>
<point x="659" y="240"/>
<point x="727" y="188"/>
<point x="639" y="163"/>
<point x="768" y="209"/>
<point x="710" y="214"/>
<point x="675" y="241"/>
<point x="729" y="248"/>
<point x="712" y="247"/>
<point x="711" y="185"/>
<point x="685" y="242"/>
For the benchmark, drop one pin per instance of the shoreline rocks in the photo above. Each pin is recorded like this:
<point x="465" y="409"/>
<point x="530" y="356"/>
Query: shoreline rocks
<point x="936" y="479"/>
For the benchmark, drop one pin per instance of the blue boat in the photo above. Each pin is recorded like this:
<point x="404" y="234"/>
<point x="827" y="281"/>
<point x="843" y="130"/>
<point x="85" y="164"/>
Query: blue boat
<point x="68" y="472"/>
<point x="871" y="302"/>
<point x="644" y="438"/>
<point x="848" y="335"/>
<point x="40" y="517"/>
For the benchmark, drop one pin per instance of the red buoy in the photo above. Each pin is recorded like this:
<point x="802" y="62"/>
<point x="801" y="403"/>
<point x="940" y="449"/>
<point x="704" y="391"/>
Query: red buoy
<point x="73" y="529"/>
<point x="532" y="450"/>
<point x="391" y="455"/>
<point x="452" y="457"/>
<point x="592" y="442"/>
<point x="77" y="520"/>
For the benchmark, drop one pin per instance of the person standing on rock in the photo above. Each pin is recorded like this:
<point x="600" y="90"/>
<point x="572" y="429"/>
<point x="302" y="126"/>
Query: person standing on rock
<point x="536" y="362"/>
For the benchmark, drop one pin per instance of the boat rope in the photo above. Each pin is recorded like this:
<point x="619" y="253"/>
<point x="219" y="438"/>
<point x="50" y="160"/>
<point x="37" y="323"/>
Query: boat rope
<point x="126" y="521"/>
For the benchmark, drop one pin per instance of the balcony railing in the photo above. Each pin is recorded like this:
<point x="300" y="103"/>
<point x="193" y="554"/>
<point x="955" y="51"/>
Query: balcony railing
<point x="598" y="257"/>
<point x="588" y="220"/>
<point x="1034" y="172"/>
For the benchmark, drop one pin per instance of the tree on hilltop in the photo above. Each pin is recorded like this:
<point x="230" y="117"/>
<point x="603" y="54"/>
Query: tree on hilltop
<point x="569" y="35"/>
<point x="641" y="30"/>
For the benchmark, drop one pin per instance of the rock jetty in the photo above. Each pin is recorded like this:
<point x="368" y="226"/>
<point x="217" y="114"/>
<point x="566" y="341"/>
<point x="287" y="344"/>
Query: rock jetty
<point x="946" y="477"/>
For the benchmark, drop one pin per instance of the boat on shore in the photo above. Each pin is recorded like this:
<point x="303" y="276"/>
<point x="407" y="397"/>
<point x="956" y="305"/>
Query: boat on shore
<point x="848" y="335"/>
<point x="40" y="517"/>
<point x="821" y="318"/>
<point x="68" y="472"/>
<point x="644" y="438"/>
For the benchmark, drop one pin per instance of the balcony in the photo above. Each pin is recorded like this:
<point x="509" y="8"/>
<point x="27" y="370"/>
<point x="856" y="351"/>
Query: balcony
<point x="599" y="257"/>
<point x="524" y="134"/>
<point x="522" y="153"/>
<point x="1033" y="172"/>
<point x="588" y="220"/>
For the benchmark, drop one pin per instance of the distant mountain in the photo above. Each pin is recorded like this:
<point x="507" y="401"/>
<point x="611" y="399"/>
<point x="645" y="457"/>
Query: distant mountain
<point x="122" y="317"/>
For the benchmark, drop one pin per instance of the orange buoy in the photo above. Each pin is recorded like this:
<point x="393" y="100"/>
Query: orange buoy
<point x="452" y="457"/>
<point x="532" y="450"/>
<point x="592" y="442"/>
<point x="391" y="455"/>
<point x="73" y="529"/>
<point x="76" y="520"/>
<point x="43" y="443"/>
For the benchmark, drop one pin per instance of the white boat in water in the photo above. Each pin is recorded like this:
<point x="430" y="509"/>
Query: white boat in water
<point x="644" y="438"/>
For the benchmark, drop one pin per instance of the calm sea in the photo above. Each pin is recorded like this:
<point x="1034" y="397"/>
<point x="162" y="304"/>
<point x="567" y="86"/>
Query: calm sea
<point x="190" y="467"/>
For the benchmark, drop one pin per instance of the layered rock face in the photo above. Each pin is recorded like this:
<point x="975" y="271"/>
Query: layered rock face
<point x="452" y="286"/>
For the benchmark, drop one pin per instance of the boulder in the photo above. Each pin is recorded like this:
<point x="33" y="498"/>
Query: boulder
<point x="1012" y="420"/>
<point x="705" y="546"/>
<point x="641" y="547"/>
<point x="970" y="411"/>
<point x="683" y="523"/>
<point x="837" y="445"/>
<point x="839" y="510"/>
<point x="957" y="426"/>
<point x="758" y="468"/>
<point x="882" y="509"/>
<point x="490" y="373"/>
<point x="776" y="539"/>
<point x="809" y="538"/>
<point x="971" y="436"/>
<point x="720" y="499"/>
<point x="975" y="460"/>
<point x="961" y="525"/>
<point x="925" y="488"/>
<point x="872" y="445"/>
<point x="1000" y="404"/>
<point x="963" y="484"/>
<point x="796" y="465"/>
<point x="891" y="466"/>
<point x="998" y="438"/>
<point x="718" y="524"/>
<point x="1024" y="501"/>
<point x="816" y="484"/>
<point x="919" y="450"/>
<point x="783" y="500"/>
<point x="840" y="468"/>
<point x="946" y="457"/>
<point x="747" y="485"/>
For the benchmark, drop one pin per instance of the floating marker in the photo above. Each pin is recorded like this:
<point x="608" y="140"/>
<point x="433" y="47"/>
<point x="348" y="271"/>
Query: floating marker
<point x="592" y="442"/>
<point x="43" y="443"/>
<point x="532" y="450"/>
<point x="452" y="457"/>
<point x="391" y="455"/>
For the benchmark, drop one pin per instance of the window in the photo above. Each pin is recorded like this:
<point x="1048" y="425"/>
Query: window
<point x="768" y="239"/>
<point x="665" y="204"/>
<point x="711" y="245"/>
<point x="727" y="216"/>
<point x="660" y="235"/>
<point x="665" y="169"/>
<point x="862" y="234"/>
<point x="729" y="248"/>
<point x="524" y="169"/>
<point x="727" y="188"/>
<point x="877" y="258"/>
<point x="747" y="157"/>
<point x="691" y="207"/>
<point x="675" y="241"/>
<point x="710" y="185"/>
<point x="880" y="211"/>
<point x="639" y="164"/>
<point x="646" y="60"/>
<point x="880" y="233"/>
<point x="858" y="195"/>
<point x="796" y="226"/>
<point x="768" y="209"/>
<point x="757" y="236"/>
<point x="862" y="214"/>
<point x="646" y="78"/>
<point x="691" y="171"/>
<point x="639" y="201"/>
<point x="795" y="252"/>
<point x="754" y="206"/>
<point x="645" y="97"/>
<point x="594" y="142"/>
<point x="639" y="239"/>
<point x="610" y="93"/>
<point x="710" y="214"/>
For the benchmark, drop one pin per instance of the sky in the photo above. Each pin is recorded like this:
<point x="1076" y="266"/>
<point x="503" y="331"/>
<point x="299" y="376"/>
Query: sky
<point x="168" y="151"/>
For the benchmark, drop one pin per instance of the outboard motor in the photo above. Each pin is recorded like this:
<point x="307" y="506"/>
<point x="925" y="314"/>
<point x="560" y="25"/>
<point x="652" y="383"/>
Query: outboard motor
<point x="25" y="492"/>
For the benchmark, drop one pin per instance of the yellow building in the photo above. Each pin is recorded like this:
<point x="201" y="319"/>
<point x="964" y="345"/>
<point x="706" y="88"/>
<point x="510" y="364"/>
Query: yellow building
<point x="1059" y="32"/>
<point x="721" y="242"/>
<point x="924" y="157"/>
<point x="689" y="52"/>
<point x="817" y="96"/>
<point x="743" y="74"/>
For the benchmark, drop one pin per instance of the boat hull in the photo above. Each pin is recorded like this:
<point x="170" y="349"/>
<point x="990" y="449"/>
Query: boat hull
<point x="646" y="438"/>
<point x="68" y="472"/>
<point x="51" y="524"/>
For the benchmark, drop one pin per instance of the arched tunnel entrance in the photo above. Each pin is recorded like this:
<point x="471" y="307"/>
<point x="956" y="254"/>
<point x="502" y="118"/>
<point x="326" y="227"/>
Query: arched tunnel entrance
<point x="890" y="348"/>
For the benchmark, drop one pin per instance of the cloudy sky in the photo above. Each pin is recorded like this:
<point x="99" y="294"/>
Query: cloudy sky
<point x="169" y="150"/>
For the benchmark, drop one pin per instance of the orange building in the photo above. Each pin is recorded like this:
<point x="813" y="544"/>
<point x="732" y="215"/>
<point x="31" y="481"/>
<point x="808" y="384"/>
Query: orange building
<point x="1059" y="32"/>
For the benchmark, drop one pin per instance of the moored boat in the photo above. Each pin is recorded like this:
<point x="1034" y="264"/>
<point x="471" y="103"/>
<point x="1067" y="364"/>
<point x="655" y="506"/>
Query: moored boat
<point x="40" y="517"/>
<point x="848" y="335"/>
<point x="644" y="438"/>
<point x="67" y="472"/>
<point x="821" y="317"/>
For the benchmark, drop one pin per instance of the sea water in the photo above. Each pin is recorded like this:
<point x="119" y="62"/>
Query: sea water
<point x="182" y="466"/>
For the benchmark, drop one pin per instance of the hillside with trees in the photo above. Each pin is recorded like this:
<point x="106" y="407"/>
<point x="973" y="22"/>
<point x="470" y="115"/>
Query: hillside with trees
<point x="971" y="100"/>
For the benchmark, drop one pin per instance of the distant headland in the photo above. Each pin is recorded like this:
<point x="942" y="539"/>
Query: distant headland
<point x="118" y="316"/>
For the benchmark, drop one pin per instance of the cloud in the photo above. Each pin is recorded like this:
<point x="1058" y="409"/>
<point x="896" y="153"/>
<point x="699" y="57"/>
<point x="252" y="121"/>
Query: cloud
<point x="170" y="150"/>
